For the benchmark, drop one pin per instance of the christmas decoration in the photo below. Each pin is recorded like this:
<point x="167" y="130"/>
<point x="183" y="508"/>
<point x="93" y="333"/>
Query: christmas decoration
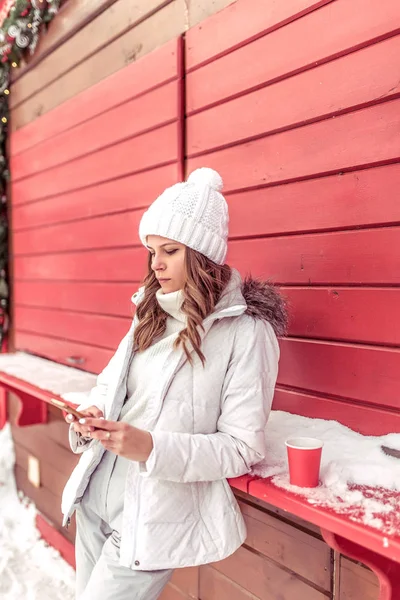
<point x="22" y="23"/>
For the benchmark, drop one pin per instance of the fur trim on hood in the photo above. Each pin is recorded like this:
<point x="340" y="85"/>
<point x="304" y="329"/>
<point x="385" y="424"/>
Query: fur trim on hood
<point x="264" y="301"/>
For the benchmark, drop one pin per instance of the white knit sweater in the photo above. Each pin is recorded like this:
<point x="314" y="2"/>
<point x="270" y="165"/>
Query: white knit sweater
<point x="146" y="367"/>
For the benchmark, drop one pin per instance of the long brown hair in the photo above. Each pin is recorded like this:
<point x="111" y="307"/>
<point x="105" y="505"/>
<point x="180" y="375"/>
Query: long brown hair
<point x="205" y="281"/>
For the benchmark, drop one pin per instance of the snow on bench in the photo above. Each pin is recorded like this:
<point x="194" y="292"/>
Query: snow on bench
<point x="351" y="464"/>
<point x="36" y="381"/>
<point x="66" y="382"/>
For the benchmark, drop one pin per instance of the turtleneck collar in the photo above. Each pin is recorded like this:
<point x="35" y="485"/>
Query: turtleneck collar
<point x="172" y="304"/>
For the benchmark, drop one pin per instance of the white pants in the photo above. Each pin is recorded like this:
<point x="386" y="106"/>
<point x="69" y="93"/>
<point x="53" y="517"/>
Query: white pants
<point x="98" y="573"/>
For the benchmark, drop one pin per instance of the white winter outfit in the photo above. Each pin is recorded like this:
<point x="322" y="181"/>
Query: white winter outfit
<point x="138" y="521"/>
<point x="207" y="425"/>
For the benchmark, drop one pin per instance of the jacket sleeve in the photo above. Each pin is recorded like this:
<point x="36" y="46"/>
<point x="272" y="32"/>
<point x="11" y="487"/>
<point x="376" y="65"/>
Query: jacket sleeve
<point x="97" y="397"/>
<point x="239" y="441"/>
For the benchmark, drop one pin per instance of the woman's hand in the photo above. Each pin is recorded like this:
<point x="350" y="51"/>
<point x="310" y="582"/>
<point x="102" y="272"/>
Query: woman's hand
<point x="92" y="411"/>
<point x="120" y="438"/>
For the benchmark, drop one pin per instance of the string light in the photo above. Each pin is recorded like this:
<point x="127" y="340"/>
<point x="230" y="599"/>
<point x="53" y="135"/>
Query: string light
<point x="4" y="120"/>
<point x="6" y="92"/>
<point x="14" y="64"/>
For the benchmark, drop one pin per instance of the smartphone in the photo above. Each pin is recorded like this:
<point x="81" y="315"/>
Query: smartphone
<point x="67" y="408"/>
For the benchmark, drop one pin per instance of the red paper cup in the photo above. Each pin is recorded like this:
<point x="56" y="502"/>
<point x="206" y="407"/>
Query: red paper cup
<point x="304" y="457"/>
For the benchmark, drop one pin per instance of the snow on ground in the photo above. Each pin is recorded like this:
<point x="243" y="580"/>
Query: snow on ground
<point x="351" y="465"/>
<point x="29" y="569"/>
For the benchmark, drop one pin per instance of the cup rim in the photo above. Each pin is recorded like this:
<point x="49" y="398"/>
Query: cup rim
<point x="298" y="443"/>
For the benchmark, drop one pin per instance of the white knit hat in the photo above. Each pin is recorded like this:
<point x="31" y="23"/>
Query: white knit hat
<point x="194" y="213"/>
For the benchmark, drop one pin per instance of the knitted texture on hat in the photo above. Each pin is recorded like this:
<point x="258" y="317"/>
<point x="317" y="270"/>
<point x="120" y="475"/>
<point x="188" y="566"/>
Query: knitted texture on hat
<point x="194" y="213"/>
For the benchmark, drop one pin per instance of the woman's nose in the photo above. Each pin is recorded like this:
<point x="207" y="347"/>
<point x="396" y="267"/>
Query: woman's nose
<point x="157" y="264"/>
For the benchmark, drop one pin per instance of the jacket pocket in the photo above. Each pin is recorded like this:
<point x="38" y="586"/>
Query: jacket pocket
<point x="167" y="502"/>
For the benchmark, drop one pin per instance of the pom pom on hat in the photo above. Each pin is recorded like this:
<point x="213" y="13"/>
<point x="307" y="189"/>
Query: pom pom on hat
<point x="205" y="176"/>
<point x="194" y="213"/>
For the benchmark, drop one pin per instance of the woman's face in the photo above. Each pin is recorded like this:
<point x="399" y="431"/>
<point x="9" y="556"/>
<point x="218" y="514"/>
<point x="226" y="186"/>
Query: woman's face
<point x="167" y="262"/>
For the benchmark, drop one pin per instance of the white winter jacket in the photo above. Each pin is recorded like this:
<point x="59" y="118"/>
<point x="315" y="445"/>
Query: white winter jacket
<point x="207" y="425"/>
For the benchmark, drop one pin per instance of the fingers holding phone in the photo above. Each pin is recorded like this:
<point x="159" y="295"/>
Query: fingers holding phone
<point x="92" y="411"/>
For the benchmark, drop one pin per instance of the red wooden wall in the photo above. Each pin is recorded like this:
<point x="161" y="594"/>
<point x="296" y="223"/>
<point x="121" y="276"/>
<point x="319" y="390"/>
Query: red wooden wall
<point x="301" y="116"/>
<point x="298" y="107"/>
<point x="82" y="175"/>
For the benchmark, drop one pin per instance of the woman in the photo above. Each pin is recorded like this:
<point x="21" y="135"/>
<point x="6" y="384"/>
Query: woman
<point x="181" y="407"/>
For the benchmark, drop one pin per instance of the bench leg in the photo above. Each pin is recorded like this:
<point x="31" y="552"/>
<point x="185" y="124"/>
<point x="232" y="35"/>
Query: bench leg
<point x="387" y="570"/>
<point x="32" y="411"/>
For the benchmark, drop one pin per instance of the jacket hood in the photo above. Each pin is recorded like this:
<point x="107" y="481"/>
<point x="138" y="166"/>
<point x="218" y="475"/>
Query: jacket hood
<point x="264" y="301"/>
<point x="256" y="298"/>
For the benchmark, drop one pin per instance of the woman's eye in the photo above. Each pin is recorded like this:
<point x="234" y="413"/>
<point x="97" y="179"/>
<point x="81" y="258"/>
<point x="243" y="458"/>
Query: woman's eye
<point x="171" y="251"/>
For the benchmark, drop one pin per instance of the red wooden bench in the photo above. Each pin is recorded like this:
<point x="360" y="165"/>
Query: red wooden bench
<point x="377" y="549"/>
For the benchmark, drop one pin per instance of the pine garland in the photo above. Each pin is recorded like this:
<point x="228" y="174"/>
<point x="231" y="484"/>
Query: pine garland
<point x="19" y="34"/>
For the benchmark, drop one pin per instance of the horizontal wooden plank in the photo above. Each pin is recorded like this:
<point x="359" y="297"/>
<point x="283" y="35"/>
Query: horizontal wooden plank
<point x="240" y="23"/>
<point x="102" y="265"/>
<point x="329" y="259"/>
<point x="350" y="257"/>
<point x="356" y="581"/>
<point x="361" y="373"/>
<point x="69" y="21"/>
<point x="139" y="153"/>
<point x="126" y="193"/>
<point x="154" y="32"/>
<point x="96" y="330"/>
<point x="359" y="198"/>
<point x="215" y="585"/>
<point x="263" y="578"/>
<point x="99" y="32"/>
<point x="50" y="477"/>
<point x="292" y="548"/>
<point x="365" y="137"/>
<point x="36" y="441"/>
<point x="319" y="92"/>
<point x="150" y="111"/>
<point x="364" y="419"/>
<point x="120" y="229"/>
<point x="172" y="593"/>
<point x="104" y="298"/>
<point x="55" y="428"/>
<point x="47" y="503"/>
<point x="279" y="513"/>
<point x="201" y="11"/>
<point x="186" y="580"/>
<point x="138" y="77"/>
<point x="93" y="359"/>
<point x="361" y="22"/>
<point x="347" y="314"/>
